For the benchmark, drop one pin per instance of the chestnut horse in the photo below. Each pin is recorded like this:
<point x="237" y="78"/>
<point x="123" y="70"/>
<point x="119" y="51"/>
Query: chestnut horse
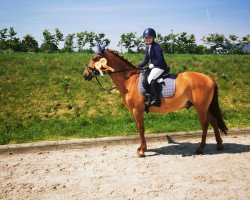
<point x="192" y="89"/>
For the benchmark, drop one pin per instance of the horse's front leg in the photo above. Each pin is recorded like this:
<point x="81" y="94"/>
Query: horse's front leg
<point x="139" y="120"/>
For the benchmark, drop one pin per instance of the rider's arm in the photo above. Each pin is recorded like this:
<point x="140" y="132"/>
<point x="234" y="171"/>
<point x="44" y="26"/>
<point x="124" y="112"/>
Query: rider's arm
<point x="160" y="57"/>
<point x="146" y="59"/>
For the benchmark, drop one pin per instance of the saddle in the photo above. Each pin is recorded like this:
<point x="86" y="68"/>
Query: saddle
<point x="165" y="86"/>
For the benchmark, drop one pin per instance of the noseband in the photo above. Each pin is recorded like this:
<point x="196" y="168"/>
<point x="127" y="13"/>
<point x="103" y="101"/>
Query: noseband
<point x="92" y="71"/>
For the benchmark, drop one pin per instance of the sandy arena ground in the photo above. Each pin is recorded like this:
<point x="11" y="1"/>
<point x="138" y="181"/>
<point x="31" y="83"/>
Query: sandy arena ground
<point x="170" y="171"/>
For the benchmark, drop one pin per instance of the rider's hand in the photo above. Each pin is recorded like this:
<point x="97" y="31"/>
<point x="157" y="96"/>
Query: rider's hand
<point x="151" y="66"/>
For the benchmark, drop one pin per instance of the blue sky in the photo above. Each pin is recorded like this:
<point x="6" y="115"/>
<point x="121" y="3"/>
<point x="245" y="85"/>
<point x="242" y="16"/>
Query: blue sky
<point x="114" y="17"/>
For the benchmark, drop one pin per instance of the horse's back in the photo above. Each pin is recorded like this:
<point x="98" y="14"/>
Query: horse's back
<point x="194" y="79"/>
<point x="198" y="87"/>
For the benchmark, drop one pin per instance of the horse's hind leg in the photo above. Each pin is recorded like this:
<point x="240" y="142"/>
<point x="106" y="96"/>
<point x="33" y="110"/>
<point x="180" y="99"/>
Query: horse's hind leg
<point x="215" y="126"/>
<point x="202" y="116"/>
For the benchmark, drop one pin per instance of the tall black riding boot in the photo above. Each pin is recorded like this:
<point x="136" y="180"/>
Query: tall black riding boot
<point x="155" y="95"/>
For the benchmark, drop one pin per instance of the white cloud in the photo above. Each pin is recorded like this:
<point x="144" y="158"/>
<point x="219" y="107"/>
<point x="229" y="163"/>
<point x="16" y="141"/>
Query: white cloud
<point x="207" y="15"/>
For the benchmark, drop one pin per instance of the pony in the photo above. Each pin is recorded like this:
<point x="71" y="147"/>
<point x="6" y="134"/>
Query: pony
<point x="192" y="89"/>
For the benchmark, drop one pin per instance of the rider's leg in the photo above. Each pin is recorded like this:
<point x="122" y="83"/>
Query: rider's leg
<point x="155" y="96"/>
<point x="154" y="74"/>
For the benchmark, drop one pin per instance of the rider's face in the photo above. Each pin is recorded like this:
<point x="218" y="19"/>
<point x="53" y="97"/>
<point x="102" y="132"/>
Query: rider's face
<point x="148" y="40"/>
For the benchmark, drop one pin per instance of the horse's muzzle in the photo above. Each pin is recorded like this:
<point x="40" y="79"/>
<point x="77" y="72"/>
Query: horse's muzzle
<point x="87" y="78"/>
<point x="87" y="75"/>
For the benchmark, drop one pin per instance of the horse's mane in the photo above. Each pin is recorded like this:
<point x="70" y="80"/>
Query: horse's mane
<point x="122" y="58"/>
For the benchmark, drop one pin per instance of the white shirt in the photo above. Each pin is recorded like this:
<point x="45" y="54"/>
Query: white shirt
<point x="149" y="47"/>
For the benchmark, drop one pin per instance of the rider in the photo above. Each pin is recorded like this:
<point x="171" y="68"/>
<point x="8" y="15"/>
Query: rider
<point x="158" y="64"/>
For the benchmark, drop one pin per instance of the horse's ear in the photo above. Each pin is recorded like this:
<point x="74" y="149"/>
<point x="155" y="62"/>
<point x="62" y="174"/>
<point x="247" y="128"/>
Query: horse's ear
<point x="100" y="47"/>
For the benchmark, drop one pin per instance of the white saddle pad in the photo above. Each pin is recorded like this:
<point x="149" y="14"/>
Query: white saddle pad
<point x="168" y="86"/>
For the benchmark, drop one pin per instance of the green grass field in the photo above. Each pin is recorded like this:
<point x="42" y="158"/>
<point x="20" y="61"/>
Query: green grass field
<point x="43" y="97"/>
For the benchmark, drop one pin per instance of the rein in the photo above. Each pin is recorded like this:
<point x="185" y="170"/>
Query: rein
<point x="124" y="70"/>
<point x="95" y="72"/>
<point x="100" y="85"/>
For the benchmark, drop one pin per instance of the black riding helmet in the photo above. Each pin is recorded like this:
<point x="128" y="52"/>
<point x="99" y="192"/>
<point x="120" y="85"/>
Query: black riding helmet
<point x="149" y="32"/>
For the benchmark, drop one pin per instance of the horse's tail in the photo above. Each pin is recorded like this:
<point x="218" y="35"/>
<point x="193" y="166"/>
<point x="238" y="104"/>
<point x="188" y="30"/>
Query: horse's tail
<point x="215" y="110"/>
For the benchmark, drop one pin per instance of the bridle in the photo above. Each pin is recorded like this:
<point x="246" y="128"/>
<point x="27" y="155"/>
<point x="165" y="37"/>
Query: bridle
<point x="93" y="73"/>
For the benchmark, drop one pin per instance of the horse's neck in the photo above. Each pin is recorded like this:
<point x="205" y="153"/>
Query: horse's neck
<point x="122" y="80"/>
<point x="120" y="83"/>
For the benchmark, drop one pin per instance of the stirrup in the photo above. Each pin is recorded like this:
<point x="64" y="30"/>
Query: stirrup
<point x="155" y="102"/>
<point x="148" y="99"/>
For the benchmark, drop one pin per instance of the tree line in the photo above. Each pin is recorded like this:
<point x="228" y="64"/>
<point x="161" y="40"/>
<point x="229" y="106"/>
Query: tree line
<point x="186" y="43"/>
<point x="85" y="41"/>
<point x="50" y="44"/>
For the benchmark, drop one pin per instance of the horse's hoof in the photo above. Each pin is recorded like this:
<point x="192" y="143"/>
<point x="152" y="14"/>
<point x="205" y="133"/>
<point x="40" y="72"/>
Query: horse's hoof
<point x="141" y="154"/>
<point x="199" y="151"/>
<point x="220" y="147"/>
